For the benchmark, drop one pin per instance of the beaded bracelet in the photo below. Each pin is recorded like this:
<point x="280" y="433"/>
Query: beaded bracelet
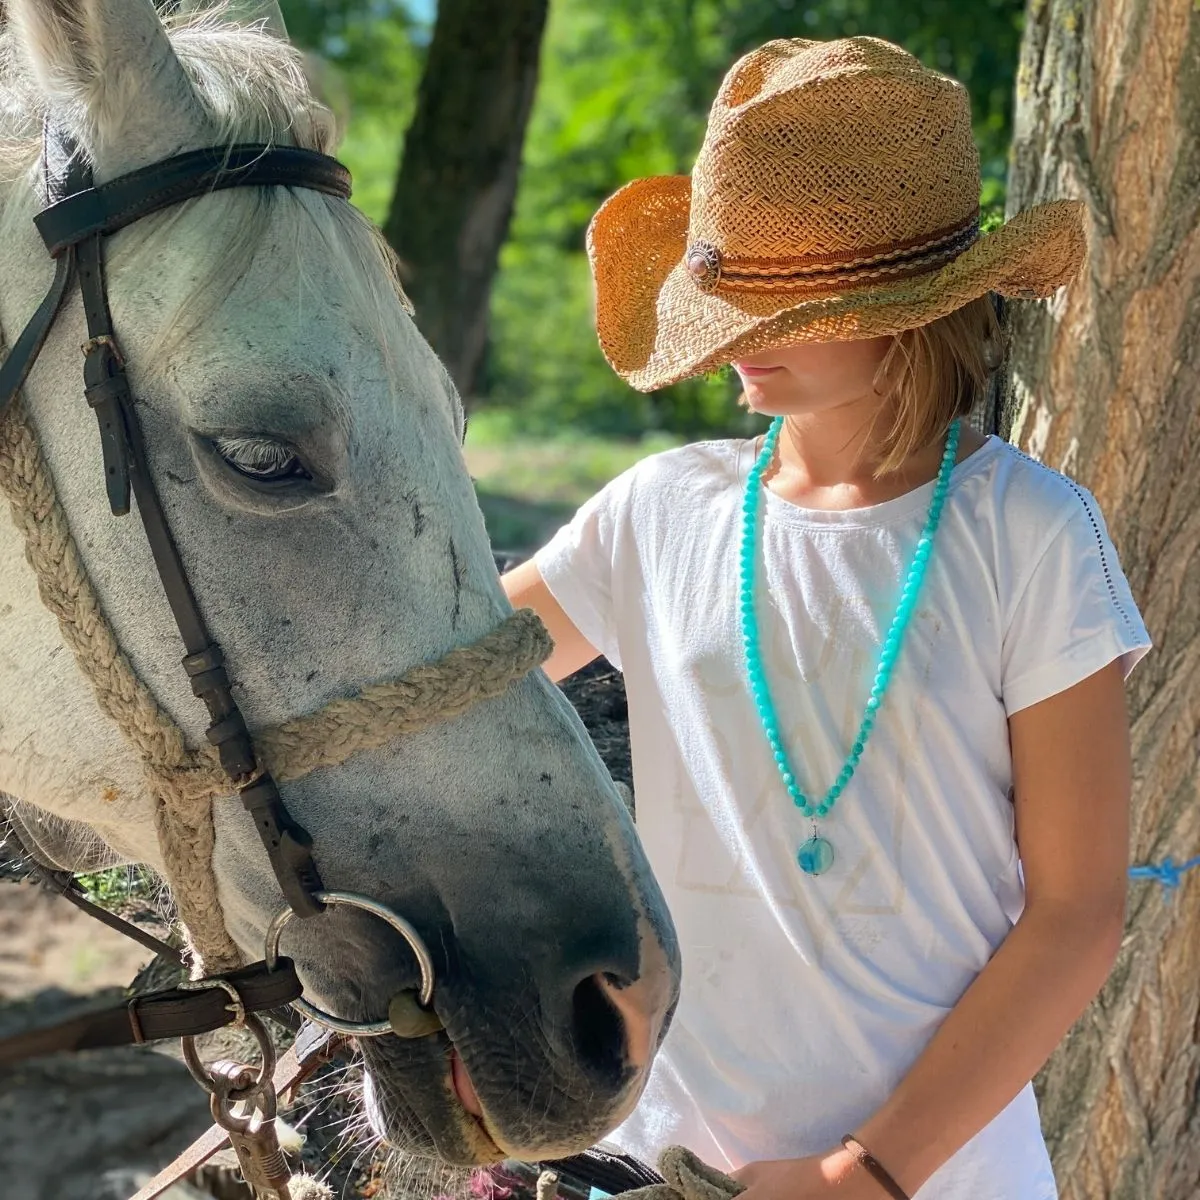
<point x="874" y="1168"/>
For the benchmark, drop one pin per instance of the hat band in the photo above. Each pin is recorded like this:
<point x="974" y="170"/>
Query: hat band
<point x="710" y="269"/>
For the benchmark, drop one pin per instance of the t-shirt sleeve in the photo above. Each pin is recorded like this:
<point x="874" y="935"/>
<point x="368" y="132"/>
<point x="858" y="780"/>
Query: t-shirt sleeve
<point x="1074" y="615"/>
<point x="578" y="565"/>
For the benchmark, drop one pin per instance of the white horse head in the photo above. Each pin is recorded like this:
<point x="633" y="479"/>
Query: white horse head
<point x="304" y="440"/>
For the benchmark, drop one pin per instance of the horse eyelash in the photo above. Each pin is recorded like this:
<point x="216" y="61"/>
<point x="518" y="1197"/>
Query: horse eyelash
<point x="255" y="453"/>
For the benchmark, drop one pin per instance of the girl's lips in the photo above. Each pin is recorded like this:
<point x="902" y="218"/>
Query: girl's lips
<point x="746" y="371"/>
<point x="463" y="1088"/>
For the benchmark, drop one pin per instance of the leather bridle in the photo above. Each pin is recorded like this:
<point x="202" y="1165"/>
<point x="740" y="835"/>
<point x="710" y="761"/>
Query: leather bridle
<point x="74" y="224"/>
<point x="77" y="219"/>
<point x="74" y="228"/>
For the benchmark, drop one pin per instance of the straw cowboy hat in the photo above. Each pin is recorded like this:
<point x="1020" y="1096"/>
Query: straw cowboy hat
<point x="836" y="197"/>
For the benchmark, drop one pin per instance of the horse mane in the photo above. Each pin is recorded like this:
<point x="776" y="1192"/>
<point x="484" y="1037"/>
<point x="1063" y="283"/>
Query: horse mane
<point x="253" y="87"/>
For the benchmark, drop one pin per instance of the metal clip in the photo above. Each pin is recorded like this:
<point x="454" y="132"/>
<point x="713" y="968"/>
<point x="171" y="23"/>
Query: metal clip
<point x="250" y="1123"/>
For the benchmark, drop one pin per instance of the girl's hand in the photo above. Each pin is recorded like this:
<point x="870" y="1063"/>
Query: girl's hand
<point x="835" y="1175"/>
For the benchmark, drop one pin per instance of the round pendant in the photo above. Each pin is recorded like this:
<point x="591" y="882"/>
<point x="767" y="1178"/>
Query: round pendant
<point x="815" y="856"/>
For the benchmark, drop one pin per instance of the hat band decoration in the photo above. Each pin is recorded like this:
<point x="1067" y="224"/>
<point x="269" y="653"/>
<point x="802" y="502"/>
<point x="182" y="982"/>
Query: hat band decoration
<point x="709" y="268"/>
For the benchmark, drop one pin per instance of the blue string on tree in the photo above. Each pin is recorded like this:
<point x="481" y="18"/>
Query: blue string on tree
<point x="816" y="855"/>
<point x="1168" y="872"/>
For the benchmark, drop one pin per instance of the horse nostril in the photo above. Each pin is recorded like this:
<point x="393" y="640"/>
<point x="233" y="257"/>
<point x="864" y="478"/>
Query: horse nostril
<point x="618" y="1023"/>
<point x="598" y="1027"/>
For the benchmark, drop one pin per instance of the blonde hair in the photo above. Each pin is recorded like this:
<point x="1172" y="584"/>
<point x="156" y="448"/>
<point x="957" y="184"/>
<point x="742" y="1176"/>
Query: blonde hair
<point x="932" y="375"/>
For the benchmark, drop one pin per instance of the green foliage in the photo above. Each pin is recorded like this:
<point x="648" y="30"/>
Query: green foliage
<point x="527" y="487"/>
<point x="564" y="469"/>
<point x="625" y="91"/>
<point x="114" y="887"/>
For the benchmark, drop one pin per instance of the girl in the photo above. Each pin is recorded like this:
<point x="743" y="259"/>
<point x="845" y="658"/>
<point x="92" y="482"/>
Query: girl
<point x="874" y="661"/>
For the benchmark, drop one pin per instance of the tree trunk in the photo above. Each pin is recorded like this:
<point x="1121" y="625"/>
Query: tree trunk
<point x="458" y="174"/>
<point x="1106" y="387"/>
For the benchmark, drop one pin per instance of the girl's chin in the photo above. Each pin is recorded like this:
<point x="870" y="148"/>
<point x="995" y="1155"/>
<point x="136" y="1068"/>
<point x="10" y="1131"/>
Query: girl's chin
<point x="759" y="400"/>
<point x="761" y="387"/>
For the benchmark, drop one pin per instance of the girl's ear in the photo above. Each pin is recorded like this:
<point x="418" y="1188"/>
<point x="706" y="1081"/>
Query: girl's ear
<point x="110" y="79"/>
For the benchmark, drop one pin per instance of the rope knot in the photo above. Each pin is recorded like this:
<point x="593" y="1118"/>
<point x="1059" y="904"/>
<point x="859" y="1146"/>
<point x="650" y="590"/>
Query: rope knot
<point x="1168" y="873"/>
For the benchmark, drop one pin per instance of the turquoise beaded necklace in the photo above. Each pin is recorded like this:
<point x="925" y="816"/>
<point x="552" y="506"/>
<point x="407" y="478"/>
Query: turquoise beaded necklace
<point x="816" y="855"/>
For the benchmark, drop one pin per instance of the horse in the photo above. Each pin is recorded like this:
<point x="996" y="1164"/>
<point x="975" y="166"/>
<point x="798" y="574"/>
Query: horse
<point x="305" y="442"/>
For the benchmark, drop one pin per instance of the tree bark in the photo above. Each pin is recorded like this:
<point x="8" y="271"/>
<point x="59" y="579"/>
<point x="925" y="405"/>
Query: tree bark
<point x="458" y="174"/>
<point x="1105" y="386"/>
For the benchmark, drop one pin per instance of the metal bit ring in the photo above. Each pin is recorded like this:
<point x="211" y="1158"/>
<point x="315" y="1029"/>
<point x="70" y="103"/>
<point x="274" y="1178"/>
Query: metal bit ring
<point x="397" y="922"/>
<point x="201" y="1074"/>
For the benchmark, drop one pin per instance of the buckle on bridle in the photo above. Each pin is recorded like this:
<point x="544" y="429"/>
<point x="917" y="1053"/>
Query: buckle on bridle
<point x="236" y="1006"/>
<point x="106" y="388"/>
<point x="105" y="341"/>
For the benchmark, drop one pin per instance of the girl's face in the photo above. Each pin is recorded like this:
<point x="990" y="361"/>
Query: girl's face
<point x="813" y="378"/>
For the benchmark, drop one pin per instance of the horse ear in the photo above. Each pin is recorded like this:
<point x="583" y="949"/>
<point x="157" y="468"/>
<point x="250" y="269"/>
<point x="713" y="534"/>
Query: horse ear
<point x="266" y="13"/>
<point x="110" y="78"/>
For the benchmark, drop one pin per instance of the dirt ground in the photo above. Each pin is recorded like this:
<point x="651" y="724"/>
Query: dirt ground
<point x="88" y="1126"/>
<point x="47" y="942"/>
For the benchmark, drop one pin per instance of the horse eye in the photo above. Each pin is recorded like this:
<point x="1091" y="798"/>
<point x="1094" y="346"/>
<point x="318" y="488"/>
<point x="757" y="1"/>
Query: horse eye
<point x="261" y="459"/>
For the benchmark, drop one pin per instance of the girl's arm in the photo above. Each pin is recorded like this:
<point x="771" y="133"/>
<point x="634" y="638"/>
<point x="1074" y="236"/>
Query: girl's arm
<point x="525" y="588"/>
<point x="1071" y="771"/>
<point x="1071" y="768"/>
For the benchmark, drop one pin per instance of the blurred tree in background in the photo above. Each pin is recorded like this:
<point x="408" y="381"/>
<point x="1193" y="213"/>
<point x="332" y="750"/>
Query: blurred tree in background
<point x="457" y="181"/>
<point x="374" y="51"/>
<point x="624" y="91"/>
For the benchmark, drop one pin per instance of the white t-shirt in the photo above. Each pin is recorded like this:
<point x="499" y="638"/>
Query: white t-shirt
<point x="805" y="999"/>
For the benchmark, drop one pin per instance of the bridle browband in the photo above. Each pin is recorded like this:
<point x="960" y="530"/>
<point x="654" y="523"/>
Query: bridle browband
<point x="111" y="206"/>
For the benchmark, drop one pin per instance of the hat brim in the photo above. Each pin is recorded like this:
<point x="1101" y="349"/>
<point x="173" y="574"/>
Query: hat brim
<point x="656" y="326"/>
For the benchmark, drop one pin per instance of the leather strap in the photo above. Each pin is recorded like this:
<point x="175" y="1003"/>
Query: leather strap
<point x="126" y="470"/>
<point x="175" y="1012"/>
<point x="99" y="211"/>
<point x="29" y="345"/>
<point x="874" y="1168"/>
<point x="63" y="173"/>
<point x="64" y="884"/>
<point x="105" y="384"/>
<point x="198" y="1153"/>
<point x="312" y="1047"/>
